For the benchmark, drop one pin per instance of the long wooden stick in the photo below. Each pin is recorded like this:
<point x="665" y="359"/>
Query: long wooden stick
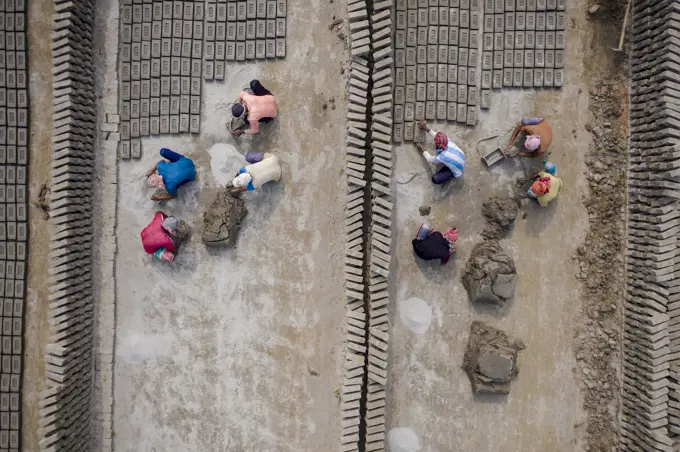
<point x="623" y="28"/>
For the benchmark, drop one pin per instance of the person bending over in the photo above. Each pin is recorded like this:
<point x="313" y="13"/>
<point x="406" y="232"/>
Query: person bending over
<point x="167" y="177"/>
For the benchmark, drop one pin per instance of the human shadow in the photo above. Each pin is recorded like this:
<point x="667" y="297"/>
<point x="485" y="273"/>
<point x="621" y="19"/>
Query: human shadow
<point x="499" y="399"/>
<point x="538" y="218"/>
<point x="434" y="271"/>
<point x="492" y="309"/>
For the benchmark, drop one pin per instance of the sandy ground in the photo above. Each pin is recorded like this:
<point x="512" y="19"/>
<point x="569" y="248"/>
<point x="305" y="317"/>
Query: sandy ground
<point x="429" y="391"/>
<point x="217" y="351"/>
<point x="35" y="325"/>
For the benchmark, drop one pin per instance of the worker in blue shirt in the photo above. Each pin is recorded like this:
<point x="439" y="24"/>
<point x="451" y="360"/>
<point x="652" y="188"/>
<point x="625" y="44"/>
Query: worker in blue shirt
<point x="167" y="177"/>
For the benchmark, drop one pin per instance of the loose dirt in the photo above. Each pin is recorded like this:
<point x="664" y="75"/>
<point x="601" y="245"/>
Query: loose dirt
<point x="500" y="214"/>
<point x="223" y="219"/>
<point x="491" y="359"/>
<point x="600" y="257"/>
<point x="490" y="275"/>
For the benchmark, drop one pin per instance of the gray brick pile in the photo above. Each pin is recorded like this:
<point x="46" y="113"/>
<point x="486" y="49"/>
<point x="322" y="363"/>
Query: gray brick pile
<point x="384" y="100"/>
<point x="160" y="70"/>
<point x="650" y="393"/>
<point x="14" y="110"/>
<point x="367" y="332"/>
<point x="242" y="30"/>
<point x="436" y="63"/>
<point x="355" y="168"/>
<point x="522" y="45"/>
<point x="65" y="403"/>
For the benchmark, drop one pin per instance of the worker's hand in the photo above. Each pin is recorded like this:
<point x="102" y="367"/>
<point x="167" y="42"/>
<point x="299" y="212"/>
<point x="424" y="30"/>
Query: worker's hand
<point x="150" y="172"/>
<point x="420" y="147"/>
<point x="422" y="125"/>
<point x="238" y="132"/>
<point x="519" y="123"/>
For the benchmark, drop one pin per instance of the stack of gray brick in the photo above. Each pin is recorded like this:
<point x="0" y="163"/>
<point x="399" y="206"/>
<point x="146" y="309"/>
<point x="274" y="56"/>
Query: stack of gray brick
<point x="385" y="97"/>
<point x="161" y="51"/>
<point x="523" y="45"/>
<point x="236" y="30"/>
<point x="14" y="135"/>
<point x="650" y="398"/>
<point x="355" y="168"/>
<point x="65" y="403"/>
<point x="436" y="62"/>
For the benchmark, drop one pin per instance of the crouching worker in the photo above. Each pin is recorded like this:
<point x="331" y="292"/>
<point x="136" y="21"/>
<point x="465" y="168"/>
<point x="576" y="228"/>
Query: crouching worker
<point x="164" y="235"/>
<point x="263" y="168"/>
<point x="430" y="245"/>
<point x="254" y="108"/>
<point x="546" y="185"/>
<point x="538" y="136"/>
<point x="449" y="156"/>
<point x="167" y="177"/>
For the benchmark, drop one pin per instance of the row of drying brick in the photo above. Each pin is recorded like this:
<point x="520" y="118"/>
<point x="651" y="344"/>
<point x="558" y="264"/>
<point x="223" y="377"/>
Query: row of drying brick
<point x="380" y="230"/>
<point x="353" y="388"/>
<point x="651" y="345"/>
<point x="500" y="6"/>
<point x="367" y="331"/>
<point x="65" y="406"/>
<point x="13" y="214"/>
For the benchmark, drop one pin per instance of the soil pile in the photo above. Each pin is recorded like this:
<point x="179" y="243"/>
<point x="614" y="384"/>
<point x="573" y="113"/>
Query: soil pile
<point x="491" y="359"/>
<point x="222" y="221"/>
<point x="490" y="275"/>
<point x="500" y="214"/>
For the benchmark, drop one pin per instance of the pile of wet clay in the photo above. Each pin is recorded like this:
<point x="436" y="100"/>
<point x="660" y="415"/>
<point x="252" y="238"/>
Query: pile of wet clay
<point x="500" y="214"/>
<point x="223" y="219"/>
<point x="490" y="275"/>
<point x="491" y="359"/>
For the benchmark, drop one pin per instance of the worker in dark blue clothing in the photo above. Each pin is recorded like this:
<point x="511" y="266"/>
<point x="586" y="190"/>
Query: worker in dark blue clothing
<point x="167" y="177"/>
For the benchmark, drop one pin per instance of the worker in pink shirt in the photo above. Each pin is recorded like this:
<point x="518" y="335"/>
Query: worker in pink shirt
<point x="253" y="108"/>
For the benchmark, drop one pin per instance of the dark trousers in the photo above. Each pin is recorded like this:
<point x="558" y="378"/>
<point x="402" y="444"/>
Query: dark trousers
<point x="259" y="90"/>
<point x="443" y="175"/>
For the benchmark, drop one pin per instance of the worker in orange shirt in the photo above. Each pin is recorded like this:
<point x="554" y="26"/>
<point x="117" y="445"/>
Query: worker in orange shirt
<point x="538" y="137"/>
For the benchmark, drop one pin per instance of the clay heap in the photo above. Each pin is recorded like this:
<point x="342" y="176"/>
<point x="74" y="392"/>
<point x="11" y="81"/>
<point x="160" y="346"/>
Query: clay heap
<point x="500" y="214"/>
<point x="222" y="221"/>
<point x="491" y="359"/>
<point x="490" y="275"/>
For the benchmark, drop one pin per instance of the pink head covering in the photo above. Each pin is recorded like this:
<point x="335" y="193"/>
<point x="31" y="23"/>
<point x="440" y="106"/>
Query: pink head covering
<point x="441" y="140"/>
<point x="154" y="181"/>
<point x="451" y="235"/>
<point x="532" y="142"/>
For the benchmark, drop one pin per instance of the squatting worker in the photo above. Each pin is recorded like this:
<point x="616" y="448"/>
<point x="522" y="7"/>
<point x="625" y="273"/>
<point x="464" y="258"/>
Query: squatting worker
<point x="163" y="236"/>
<point x="430" y="245"/>
<point x="167" y="177"/>
<point x="545" y="188"/>
<point x="538" y="136"/>
<point x="449" y="156"/>
<point x="260" y="106"/>
<point x="263" y="168"/>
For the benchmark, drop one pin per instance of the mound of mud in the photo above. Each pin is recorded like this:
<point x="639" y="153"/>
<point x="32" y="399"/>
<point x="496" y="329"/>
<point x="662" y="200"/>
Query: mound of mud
<point x="491" y="359"/>
<point x="500" y="214"/>
<point x="490" y="275"/>
<point x="222" y="221"/>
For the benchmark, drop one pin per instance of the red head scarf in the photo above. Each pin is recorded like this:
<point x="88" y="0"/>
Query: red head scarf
<point x="441" y="140"/>
<point x="541" y="186"/>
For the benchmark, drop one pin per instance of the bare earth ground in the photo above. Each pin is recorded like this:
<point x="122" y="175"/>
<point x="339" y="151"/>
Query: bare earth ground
<point x="35" y="325"/>
<point x="241" y="350"/>
<point x="430" y="392"/>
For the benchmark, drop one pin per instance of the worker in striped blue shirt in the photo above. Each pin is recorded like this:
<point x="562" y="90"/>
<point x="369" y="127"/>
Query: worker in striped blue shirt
<point x="449" y="156"/>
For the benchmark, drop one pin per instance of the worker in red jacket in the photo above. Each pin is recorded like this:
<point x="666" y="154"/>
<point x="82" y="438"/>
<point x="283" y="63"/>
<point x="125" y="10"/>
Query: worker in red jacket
<point x="163" y="236"/>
